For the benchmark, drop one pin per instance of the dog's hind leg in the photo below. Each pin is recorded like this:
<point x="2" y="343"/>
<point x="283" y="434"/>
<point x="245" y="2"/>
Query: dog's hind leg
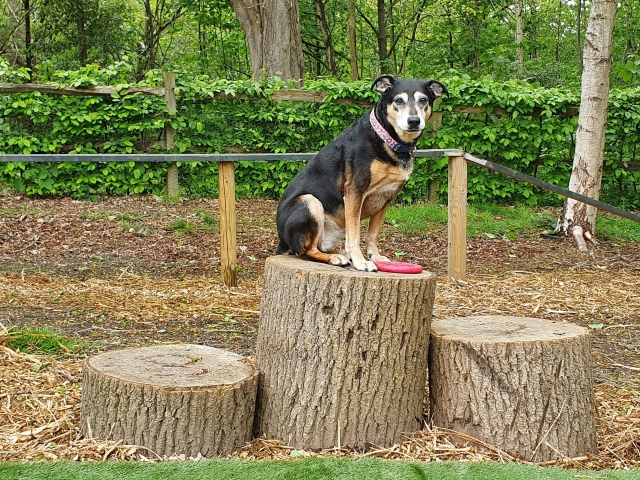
<point x="311" y="239"/>
<point x="282" y="248"/>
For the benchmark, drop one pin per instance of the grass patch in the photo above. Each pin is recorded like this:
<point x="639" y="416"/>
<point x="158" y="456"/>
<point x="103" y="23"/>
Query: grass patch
<point x="123" y="217"/>
<point x="208" y="219"/>
<point x="182" y="226"/>
<point x="616" y="228"/>
<point x="39" y="340"/>
<point x="311" y="469"/>
<point x="495" y="221"/>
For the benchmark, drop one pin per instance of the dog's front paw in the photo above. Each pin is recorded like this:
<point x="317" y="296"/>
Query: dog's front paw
<point x="339" y="260"/>
<point x="364" y="265"/>
<point x="378" y="258"/>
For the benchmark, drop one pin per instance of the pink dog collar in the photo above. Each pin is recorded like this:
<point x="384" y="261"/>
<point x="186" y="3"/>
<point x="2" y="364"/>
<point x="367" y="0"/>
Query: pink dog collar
<point x="388" y="139"/>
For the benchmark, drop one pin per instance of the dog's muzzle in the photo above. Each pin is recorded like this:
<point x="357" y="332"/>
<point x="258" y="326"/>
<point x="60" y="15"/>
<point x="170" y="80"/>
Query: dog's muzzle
<point x="414" y="122"/>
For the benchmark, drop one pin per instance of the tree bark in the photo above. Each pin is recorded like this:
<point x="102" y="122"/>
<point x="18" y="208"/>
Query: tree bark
<point x="382" y="37"/>
<point x="326" y="37"/>
<point x="342" y="354"/>
<point x="523" y="385"/>
<point x="578" y="219"/>
<point x="272" y="30"/>
<point x="172" y="399"/>
<point x="28" y="53"/>
<point x="353" y="54"/>
<point x="518" y="35"/>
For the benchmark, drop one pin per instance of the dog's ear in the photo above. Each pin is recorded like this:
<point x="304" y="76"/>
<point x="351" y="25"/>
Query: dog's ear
<point x="435" y="88"/>
<point x="383" y="83"/>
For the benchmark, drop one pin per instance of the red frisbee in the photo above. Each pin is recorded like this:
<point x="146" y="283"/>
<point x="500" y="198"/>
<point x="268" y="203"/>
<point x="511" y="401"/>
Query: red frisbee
<point x="398" y="267"/>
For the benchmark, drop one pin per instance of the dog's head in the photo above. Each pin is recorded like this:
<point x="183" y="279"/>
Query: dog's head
<point x="406" y="104"/>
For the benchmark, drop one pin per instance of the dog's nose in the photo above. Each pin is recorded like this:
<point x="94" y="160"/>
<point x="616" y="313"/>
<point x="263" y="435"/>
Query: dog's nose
<point x="414" y="121"/>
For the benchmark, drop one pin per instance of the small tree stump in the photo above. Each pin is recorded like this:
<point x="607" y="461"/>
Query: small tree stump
<point x="523" y="385"/>
<point x="342" y="354"/>
<point x="172" y="399"/>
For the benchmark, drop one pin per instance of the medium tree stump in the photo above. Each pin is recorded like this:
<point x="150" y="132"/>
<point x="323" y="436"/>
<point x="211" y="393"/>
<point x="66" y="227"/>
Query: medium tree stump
<point x="523" y="385"/>
<point x="342" y="354"/>
<point x="172" y="399"/>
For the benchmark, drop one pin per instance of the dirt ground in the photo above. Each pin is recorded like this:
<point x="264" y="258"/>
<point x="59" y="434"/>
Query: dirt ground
<point x="140" y="271"/>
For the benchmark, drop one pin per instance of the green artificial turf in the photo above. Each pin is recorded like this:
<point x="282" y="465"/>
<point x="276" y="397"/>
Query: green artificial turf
<point x="298" y="469"/>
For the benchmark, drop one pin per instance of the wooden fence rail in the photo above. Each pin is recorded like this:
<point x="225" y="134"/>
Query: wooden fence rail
<point x="292" y="95"/>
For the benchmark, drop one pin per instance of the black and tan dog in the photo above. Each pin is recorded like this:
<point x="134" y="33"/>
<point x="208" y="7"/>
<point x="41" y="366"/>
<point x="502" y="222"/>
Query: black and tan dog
<point x="355" y="177"/>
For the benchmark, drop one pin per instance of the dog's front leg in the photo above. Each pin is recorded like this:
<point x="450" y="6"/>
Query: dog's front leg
<point x="375" y="225"/>
<point x="352" y="208"/>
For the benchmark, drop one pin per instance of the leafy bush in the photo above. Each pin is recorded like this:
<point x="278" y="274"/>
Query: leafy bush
<point x="540" y="145"/>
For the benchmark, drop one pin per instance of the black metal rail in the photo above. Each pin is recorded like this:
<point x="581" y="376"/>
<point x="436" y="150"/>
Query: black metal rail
<point x="552" y="188"/>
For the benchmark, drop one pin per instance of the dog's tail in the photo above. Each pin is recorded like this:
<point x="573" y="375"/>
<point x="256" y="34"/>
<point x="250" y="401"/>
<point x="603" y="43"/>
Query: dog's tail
<point x="282" y="248"/>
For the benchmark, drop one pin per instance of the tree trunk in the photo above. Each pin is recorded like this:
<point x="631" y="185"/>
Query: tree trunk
<point x="326" y="37"/>
<point x="578" y="219"/>
<point x="83" y="51"/>
<point x="158" y="18"/>
<point x="523" y="385"/>
<point x="172" y="399"/>
<point x="579" y="36"/>
<point x="272" y="30"/>
<point x="518" y="36"/>
<point x="353" y="54"/>
<point x="342" y="354"/>
<point x="28" y="52"/>
<point x="382" y="37"/>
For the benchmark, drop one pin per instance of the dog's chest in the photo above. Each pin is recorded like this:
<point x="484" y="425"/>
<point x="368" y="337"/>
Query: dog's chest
<point x="386" y="181"/>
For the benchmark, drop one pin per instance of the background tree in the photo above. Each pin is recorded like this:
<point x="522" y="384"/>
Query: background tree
<point x="160" y="17"/>
<point x="272" y="31"/>
<point x="15" y="30"/>
<point x="73" y="33"/>
<point x="353" y="52"/>
<point x="579" y="219"/>
<point x="326" y="37"/>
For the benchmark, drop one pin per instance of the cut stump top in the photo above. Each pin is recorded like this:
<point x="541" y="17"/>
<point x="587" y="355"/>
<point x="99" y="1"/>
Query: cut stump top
<point x="173" y="366"/>
<point x="308" y="266"/>
<point x="504" y="329"/>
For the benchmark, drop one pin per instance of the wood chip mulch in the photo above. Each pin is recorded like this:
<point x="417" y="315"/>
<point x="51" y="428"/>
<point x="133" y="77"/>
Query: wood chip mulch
<point x="83" y="269"/>
<point x="41" y="398"/>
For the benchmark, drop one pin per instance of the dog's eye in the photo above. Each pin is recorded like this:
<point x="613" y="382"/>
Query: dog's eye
<point x="398" y="101"/>
<point x="422" y="101"/>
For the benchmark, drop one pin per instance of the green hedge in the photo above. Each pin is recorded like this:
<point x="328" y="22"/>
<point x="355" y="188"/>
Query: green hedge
<point x="541" y="146"/>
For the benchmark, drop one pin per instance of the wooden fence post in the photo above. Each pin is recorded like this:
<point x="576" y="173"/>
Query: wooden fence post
<point x="228" y="245"/>
<point x="457" y="218"/>
<point x="170" y="133"/>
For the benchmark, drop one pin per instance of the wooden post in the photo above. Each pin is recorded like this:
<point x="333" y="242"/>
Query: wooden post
<point x="457" y="218"/>
<point x="170" y="133"/>
<point x="228" y="245"/>
<point x="342" y="354"/>
<point x="435" y="122"/>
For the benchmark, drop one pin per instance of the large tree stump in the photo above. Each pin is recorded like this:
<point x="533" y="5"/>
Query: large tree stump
<point x="172" y="399"/>
<point x="523" y="385"/>
<point x="342" y="354"/>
